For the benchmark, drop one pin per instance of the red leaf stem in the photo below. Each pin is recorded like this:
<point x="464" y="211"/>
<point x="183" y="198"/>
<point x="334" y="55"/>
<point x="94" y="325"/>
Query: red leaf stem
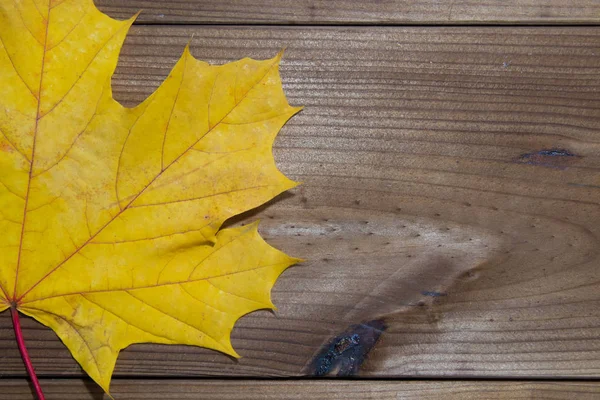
<point x="24" y="354"/>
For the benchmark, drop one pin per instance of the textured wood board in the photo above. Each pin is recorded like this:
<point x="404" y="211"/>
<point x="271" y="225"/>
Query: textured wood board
<point x="76" y="389"/>
<point x="348" y="12"/>
<point x="451" y="185"/>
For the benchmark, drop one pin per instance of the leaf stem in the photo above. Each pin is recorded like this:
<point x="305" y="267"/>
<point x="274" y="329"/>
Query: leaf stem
<point x="24" y="354"/>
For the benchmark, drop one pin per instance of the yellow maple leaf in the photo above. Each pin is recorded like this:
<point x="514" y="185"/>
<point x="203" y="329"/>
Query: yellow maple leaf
<point x="110" y="216"/>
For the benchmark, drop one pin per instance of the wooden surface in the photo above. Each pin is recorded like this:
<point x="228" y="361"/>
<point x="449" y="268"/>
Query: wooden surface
<point x="426" y="202"/>
<point x="359" y="12"/>
<point x="449" y="213"/>
<point x="300" y="390"/>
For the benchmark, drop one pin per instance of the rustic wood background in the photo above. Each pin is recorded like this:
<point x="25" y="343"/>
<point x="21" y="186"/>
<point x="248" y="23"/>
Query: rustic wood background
<point x="449" y="214"/>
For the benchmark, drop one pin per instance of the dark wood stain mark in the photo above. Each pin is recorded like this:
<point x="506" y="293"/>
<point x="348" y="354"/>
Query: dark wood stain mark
<point x="433" y="293"/>
<point x="344" y="354"/>
<point x="550" y="158"/>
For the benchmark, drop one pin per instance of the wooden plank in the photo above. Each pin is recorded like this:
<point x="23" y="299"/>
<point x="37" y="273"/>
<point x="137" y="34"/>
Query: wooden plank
<point x="345" y="12"/>
<point x="77" y="389"/>
<point x="450" y="201"/>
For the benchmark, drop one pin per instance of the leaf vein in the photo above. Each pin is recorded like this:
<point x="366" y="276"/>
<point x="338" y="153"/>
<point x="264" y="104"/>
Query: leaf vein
<point x="14" y="147"/>
<point x="202" y="197"/>
<point x="175" y="318"/>
<point x="87" y="345"/>
<point x="87" y="218"/>
<point x="187" y="173"/>
<point x="153" y="286"/>
<point x="84" y="71"/>
<point x="200" y="301"/>
<point x="8" y="219"/>
<point x="162" y="153"/>
<point x="235" y="239"/>
<point x="235" y="295"/>
<point x="38" y="10"/>
<point x="124" y="320"/>
<point x="25" y="23"/>
<point x="57" y="4"/>
<point x="5" y="293"/>
<point x="35" y="96"/>
<point x="212" y="90"/>
<point x="152" y="238"/>
<point x="94" y="115"/>
<point x="9" y="190"/>
<point x="117" y="174"/>
<point x="35" y="132"/>
<point x="70" y="31"/>
<point x="255" y="122"/>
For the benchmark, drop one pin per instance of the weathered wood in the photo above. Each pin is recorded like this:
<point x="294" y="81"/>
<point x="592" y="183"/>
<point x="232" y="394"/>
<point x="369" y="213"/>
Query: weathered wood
<point x="77" y="389"/>
<point x="344" y="12"/>
<point x="450" y="199"/>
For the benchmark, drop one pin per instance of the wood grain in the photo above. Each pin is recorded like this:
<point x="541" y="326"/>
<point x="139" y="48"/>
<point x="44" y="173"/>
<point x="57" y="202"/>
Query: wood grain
<point x="451" y="187"/>
<point x="300" y="390"/>
<point x="348" y="12"/>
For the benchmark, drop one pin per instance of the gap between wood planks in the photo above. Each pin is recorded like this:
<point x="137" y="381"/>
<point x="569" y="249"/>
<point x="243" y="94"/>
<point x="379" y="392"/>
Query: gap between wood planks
<point x="351" y="12"/>
<point x="369" y="25"/>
